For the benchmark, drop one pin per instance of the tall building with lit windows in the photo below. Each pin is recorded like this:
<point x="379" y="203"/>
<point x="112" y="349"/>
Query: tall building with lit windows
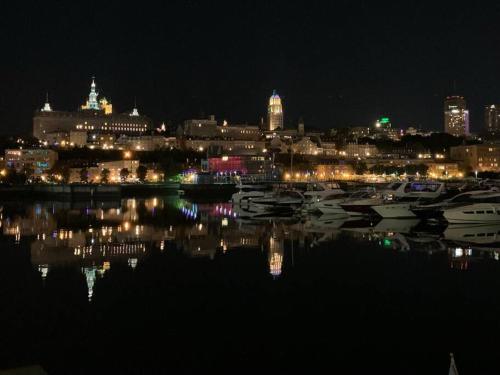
<point x="492" y="119"/>
<point x="275" y="112"/>
<point x="96" y="116"/>
<point x="456" y="116"/>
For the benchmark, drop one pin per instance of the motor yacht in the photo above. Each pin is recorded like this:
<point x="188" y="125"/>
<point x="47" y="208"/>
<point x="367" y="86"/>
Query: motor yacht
<point x="399" y="202"/>
<point x="483" y="208"/>
<point x="321" y="190"/>
<point x="284" y="203"/>
<point x="246" y="193"/>
<point x="435" y="209"/>
<point x="362" y="205"/>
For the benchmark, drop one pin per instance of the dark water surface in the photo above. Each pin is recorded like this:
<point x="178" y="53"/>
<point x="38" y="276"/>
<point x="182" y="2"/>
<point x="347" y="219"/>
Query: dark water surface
<point x="163" y="285"/>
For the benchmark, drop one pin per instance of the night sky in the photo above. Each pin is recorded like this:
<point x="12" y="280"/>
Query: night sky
<point x="336" y="64"/>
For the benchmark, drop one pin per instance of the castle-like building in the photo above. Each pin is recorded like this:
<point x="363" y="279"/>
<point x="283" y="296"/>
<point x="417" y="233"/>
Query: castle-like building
<point x="96" y="116"/>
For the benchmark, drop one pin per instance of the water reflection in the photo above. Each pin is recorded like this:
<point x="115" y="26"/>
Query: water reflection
<point x="93" y="234"/>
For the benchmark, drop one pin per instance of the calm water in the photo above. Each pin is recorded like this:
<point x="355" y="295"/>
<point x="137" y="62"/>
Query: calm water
<point x="152" y="285"/>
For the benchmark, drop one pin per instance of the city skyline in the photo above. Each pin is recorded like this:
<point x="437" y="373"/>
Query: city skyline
<point x="274" y="118"/>
<point x="355" y="63"/>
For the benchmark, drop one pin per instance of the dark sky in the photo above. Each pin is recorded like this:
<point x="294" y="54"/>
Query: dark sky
<point x="334" y="63"/>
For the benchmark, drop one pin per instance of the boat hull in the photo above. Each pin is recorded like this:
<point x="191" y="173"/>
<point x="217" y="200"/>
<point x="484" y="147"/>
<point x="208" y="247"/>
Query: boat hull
<point x="474" y="213"/>
<point x="394" y="211"/>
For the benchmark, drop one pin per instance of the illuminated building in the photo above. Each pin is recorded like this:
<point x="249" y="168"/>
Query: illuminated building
<point x="245" y="165"/>
<point x="306" y="146"/>
<point x="199" y="128"/>
<point x="275" y="112"/>
<point x="329" y="148"/>
<point x="93" y="104"/>
<point x="94" y="117"/>
<point x="77" y="138"/>
<point x="383" y="123"/>
<point x="456" y="116"/>
<point x="411" y="131"/>
<point x="492" y="119"/>
<point x="208" y="129"/>
<point x="360" y="132"/>
<point x="57" y="138"/>
<point x="384" y="129"/>
<point x="355" y="150"/>
<point x="222" y="146"/>
<point x="40" y="160"/>
<point x="141" y="143"/>
<point x="480" y="158"/>
<point x="443" y="169"/>
<point x="301" y="127"/>
<point x="92" y="101"/>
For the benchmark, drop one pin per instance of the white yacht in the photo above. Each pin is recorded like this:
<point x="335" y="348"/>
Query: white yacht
<point x="358" y="206"/>
<point x="284" y="202"/>
<point x="330" y="206"/>
<point x="248" y="192"/>
<point x="320" y="190"/>
<point x="401" y="201"/>
<point x="483" y="208"/>
<point x="435" y="209"/>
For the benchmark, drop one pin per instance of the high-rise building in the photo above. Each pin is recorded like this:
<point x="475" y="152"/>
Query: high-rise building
<point x="383" y="123"/>
<point x="275" y="112"/>
<point x="456" y="116"/>
<point x="492" y="119"/>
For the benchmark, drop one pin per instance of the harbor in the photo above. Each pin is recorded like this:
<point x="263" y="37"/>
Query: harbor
<point x="99" y="254"/>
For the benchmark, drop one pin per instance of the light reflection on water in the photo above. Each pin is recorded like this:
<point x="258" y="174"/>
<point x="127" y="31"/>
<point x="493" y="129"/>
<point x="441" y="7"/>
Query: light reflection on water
<point x="92" y="235"/>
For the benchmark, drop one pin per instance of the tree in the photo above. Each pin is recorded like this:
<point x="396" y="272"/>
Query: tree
<point x="141" y="172"/>
<point x="65" y="174"/>
<point x="360" y="167"/>
<point x="377" y="169"/>
<point x="422" y="169"/>
<point x="124" y="173"/>
<point x="105" y="175"/>
<point x="13" y="177"/>
<point x="84" y="175"/>
<point x="28" y="171"/>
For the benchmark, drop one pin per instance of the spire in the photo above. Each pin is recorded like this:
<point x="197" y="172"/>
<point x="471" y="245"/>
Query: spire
<point x="46" y="107"/>
<point x="92" y="103"/>
<point x="135" y="112"/>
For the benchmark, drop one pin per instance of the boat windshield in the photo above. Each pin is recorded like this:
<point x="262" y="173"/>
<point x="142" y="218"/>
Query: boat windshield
<point x="422" y="187"/>
<point x="290" y="194"/>
<point x="335" y="196"/>
<point x="394" y="186"/>
<point x="248" y="188"/>
<point x="462" y="198"/>
<point x="362" y="194"/>
<point x="494" y="198"/>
